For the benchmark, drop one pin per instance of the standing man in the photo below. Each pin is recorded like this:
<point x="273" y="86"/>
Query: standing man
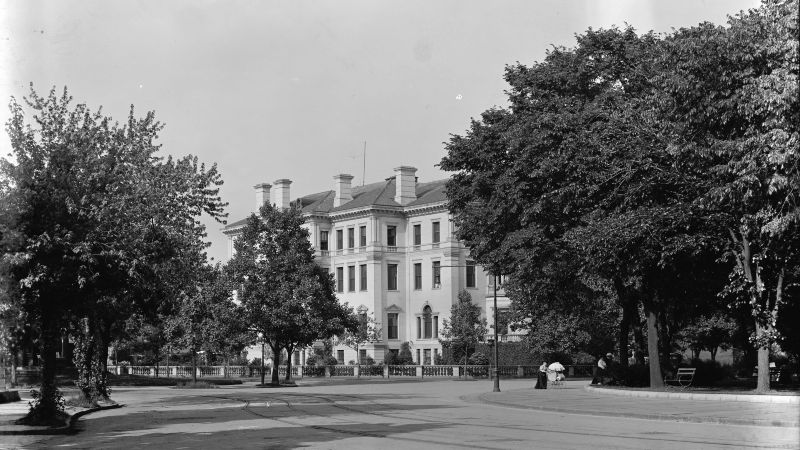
<point x="600" y="370"/>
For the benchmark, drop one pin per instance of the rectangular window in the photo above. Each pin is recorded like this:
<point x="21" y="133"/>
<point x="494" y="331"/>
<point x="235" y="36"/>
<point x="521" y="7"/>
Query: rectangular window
<point x="362" y="356"/>
<point x="437" y="274"/>
<point x="323" y="241"/>
<point x="470" y="274"/>
<point x="419" y="327"/>
<point x="436" y="356"/>
<point x="436" y="327"/>
<point x="419" y="361"/>
<point x="392" y="274"/>
<point x="391" y="236"/>
<point x="351" y="278"/>
<point x="427" y="354"/>
<point x="340" y="279"/>
<point x="392" y="328"/>
<point x="339" y="240"/>
<point x="362" y="236"/>
<point x="435" y="232"/>
<point x="417" y="235"/>
<point x="418" y="276"/>
<point x="363" y="275"/>
<point x="340" y="356"/>
<point x="351" y="237"/>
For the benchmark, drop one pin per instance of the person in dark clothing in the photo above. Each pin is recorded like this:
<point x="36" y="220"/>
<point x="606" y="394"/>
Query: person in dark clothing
<point x="601" y="371"/>
<point x="541" y="382"/>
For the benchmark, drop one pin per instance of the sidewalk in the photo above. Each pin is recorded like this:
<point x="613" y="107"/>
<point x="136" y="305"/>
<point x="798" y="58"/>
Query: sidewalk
<point x="10" y="412"/>
<point x="574" y="398"/>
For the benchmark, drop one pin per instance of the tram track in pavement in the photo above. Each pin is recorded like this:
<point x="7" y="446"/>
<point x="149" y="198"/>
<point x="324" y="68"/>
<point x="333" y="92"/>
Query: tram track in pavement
<point x="430" y="419"/>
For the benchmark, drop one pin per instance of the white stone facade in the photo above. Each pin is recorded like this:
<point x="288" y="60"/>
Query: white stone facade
<point x="385" y="243"/>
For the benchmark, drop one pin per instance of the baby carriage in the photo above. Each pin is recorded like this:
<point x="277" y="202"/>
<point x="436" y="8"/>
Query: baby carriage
<point x="555" y="375"/>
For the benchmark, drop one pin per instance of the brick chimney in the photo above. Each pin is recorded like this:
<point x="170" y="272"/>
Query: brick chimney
<point x="342" y="188"/>
<point x="405" y="184"/>
<point x="262" y="194"/>
<point x="282" y="197"/>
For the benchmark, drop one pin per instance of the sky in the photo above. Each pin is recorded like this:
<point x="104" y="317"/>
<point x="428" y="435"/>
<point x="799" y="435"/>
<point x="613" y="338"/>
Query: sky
<point x="294" y="89"/>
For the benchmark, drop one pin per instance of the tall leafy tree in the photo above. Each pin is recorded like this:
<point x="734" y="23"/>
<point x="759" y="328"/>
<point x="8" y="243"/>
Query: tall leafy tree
<point x="204" y="316"/>
<point x="575" y="170"/>
<point x="324" y="317"/>
<point x="465" y="328"/>
<point x="731" y="98"/>
<point x="92" y="206"/>
<point x="279" y="282"/>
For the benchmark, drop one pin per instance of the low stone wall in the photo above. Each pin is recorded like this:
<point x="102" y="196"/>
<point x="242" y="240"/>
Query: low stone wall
<point x="345" y="371"/>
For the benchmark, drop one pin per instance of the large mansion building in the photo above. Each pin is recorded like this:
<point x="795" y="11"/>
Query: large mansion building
<point x="392" y="250"/>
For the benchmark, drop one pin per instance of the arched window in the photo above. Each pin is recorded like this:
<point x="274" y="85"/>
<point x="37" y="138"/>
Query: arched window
<point x="427" y="320"/>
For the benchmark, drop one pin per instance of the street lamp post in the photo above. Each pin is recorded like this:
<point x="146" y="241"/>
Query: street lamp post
<point x="261" y="336"/>
<point x="496" y="369"/>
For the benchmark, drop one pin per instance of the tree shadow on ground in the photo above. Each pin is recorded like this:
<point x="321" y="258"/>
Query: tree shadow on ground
<point x="277" y="425"/>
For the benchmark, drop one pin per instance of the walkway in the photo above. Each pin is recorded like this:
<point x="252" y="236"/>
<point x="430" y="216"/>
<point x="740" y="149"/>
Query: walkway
<point x="575" y="399"/>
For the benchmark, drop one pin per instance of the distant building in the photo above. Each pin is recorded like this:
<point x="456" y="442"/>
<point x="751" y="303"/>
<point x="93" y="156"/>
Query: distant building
<point x="391" y="248"/>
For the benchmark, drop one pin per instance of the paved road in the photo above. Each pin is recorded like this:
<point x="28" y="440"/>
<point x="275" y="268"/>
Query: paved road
<point x="419" y="415"/>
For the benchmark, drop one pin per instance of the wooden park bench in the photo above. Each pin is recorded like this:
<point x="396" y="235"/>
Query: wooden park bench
<point x="683" y="378"/>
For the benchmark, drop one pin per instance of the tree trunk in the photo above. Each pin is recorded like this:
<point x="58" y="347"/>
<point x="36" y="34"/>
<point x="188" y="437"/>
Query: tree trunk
<point x="745" y="261"/>
<point x="713" y="352"/>
<point x="624" y="332"/>
<point x="47" y="407"/>
<point x="762" y="384"/>
<point x="656" y="379"/>
<point x="289" y="350"/>
<point x="194" y="366"/>
<point x="276" y="361"/>
<point x="624" y="300"/>
<point x="639" y="339"/>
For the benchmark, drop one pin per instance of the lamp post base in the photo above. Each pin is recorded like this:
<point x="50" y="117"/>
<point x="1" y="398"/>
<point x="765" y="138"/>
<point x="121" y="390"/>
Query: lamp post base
<point x="496" y="378"/>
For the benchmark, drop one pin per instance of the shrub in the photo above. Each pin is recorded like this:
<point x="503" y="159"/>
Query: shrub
<point x="405" y="354"/>
<point x="192" y="385"/>
<point x="478" y="359"/>
<point x="331" y="361"/>
<point x="711" y="373"/>
<point x="369" y="361"/>
<point x="390" y="359"/>
<point x="634" y="375"/>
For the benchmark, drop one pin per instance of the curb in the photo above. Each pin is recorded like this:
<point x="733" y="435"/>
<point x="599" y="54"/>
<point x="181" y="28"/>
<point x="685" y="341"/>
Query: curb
<point x="783" y="399"/>
<point x="65" y="429"/>
<point x="647" y="416"/>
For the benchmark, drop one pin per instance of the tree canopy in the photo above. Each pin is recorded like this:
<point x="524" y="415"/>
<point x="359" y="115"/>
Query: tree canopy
<point x="91" y="211"/>
<point x="284" y="294"/>
<point x="629" y="166"/>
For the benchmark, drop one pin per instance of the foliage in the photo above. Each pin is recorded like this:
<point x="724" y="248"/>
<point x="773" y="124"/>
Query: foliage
<point x="630" y="168"/>
<point x="284" y="295"/>
<point x="91" y="212"/>
<point x="404" y="357"/>
<point x="367" y="331"/>
<point x="206" y="315"/>
<point x="708" y="333"/>
<point x="464" y="329"/>
<point x="478" y="359"/>
<point x="731" y="100"/>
